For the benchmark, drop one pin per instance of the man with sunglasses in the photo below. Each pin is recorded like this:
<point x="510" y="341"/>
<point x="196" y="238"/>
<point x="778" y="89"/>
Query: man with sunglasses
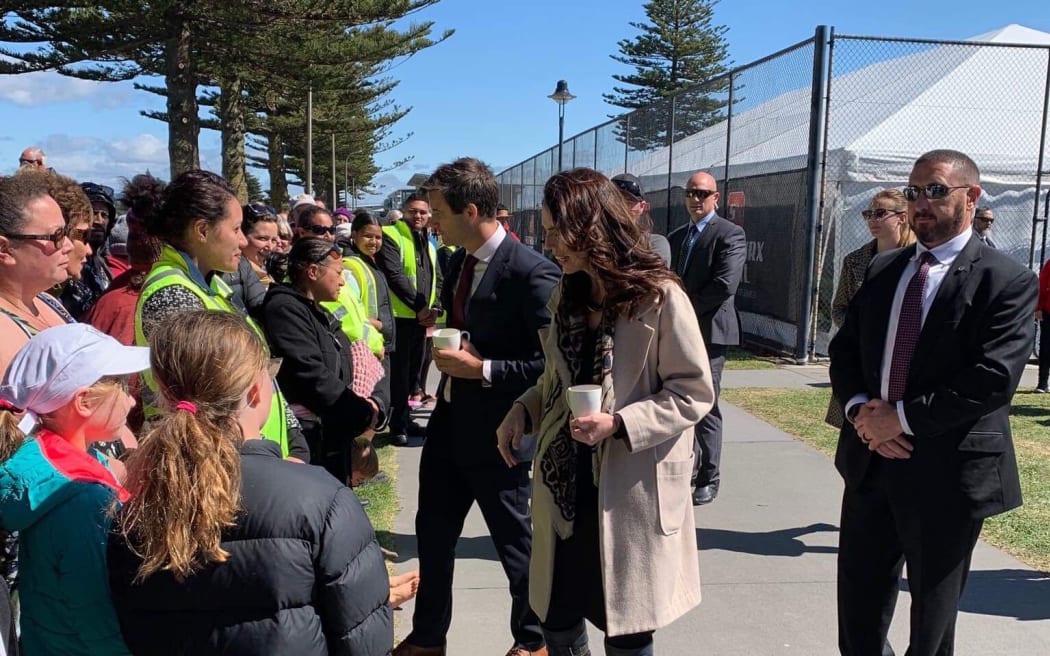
<point x="314" y="221"/>
<point x="983" y="219"/>
<point x="925" y="363"/>
<point x="709" y="254"/>
<point x="34" y="158"/>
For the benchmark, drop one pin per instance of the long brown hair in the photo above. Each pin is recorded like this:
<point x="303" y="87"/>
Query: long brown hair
<point x="591" y="215"/>
<point x="185" y="476"/>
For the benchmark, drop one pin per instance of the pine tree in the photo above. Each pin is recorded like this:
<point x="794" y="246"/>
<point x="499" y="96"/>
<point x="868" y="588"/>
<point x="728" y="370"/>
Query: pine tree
<point x="678" y="54"/>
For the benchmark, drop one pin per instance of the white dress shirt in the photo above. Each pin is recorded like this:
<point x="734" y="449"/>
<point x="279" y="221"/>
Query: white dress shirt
<point x="484" y="255"/>
<point x="945" y="255"/>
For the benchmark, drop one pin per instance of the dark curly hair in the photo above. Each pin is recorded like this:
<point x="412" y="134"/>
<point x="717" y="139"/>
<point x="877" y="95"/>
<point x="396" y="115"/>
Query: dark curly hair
<point x="590" y="215"/>
<point x="191" y="196"/>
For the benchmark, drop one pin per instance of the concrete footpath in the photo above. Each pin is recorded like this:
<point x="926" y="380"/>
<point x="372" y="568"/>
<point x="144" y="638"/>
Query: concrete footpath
<point x="767" y="560"/>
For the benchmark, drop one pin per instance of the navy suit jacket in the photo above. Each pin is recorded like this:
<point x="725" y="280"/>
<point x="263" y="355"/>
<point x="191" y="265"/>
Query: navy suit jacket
<point x="504" y="317"/>
<point x="972" y="349"/>
<point x="712" y="275"/>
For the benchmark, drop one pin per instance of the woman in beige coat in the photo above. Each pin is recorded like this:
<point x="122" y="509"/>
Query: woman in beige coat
<point x="613" y="535"/>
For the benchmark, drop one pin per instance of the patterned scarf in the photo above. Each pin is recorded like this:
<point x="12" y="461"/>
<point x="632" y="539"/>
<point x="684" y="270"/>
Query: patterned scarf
<point x="556" y="451"/>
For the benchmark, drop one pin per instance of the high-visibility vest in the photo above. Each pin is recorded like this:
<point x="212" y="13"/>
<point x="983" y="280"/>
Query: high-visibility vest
<point x="364" y="284"/>
<point x="352" y="318"/>
<point x="173" y="269"/>
<point x="401" y="234"/>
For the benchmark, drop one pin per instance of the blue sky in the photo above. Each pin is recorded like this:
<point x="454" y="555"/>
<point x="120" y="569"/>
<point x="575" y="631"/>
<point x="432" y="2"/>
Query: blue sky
<point x="484" y="91"/>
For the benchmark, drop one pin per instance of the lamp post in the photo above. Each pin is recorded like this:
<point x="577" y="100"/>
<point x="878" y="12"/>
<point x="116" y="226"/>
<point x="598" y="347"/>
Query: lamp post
<point x="561" y="96"/>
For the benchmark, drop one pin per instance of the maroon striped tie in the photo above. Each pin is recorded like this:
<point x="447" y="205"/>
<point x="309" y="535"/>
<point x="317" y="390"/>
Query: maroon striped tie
<point x="909" y="325"/>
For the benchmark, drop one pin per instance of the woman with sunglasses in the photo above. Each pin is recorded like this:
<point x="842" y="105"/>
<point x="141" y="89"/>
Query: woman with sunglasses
<point x="315" y="221"/>
<point x="35" y="251"/>
<point x="64" y="390"/>
<point x="76" y="210"/>
<point x="251" y="280"/>
<point x="198" y="219"/>
<point x="284" y="235"/>
<point x="317" y="370"/>
<point x="887" y="220"/>
<point x="227" y="548"/>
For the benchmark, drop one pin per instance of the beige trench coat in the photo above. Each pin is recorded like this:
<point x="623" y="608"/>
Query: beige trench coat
<point x="662" y="385"/>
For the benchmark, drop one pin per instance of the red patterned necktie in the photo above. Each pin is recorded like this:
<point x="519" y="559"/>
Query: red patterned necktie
<point x="909" y="325"/>
<point x="458" y="317"/>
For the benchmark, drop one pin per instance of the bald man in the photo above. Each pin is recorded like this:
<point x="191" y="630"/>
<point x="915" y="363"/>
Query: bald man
<point x="33" y="157"/>
<point x="709" y="254"/>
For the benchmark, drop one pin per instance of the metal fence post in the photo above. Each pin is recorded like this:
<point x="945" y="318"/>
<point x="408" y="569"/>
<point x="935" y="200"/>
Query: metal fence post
<point x="1039" y="173"/>
<point x="813" y="195"/>
<point x="729" y="137"/>
<point x="670" y="161"/>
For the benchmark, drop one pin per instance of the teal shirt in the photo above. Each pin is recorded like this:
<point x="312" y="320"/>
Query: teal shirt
<point x="63" y="525"/>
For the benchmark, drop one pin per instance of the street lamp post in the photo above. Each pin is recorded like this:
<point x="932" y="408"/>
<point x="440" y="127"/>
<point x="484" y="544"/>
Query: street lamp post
<point x="561" y="96"/>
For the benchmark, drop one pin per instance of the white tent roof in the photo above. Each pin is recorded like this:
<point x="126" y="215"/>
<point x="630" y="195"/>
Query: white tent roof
<point x="987" y="102"/>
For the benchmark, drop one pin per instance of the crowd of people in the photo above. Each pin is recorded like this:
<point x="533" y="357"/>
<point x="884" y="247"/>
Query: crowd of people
<point x="171" y="373"/>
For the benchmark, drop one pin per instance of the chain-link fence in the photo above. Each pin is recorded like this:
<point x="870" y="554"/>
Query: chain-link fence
<point x="801" y="140"/>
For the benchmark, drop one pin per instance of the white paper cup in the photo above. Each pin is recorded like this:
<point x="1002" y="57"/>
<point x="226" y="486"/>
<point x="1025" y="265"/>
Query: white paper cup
<point x="448" y="338"/>
<point x="584" y="400"/>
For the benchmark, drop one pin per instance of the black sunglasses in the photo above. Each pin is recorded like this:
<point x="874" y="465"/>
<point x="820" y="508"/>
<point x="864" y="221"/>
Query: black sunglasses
<point x="56" y="237"/>
<point x="23" y="161"/>
<point x="320" y="230"/>
<point x="631" y="187"/>
<point x="932" y="191"/>
<point x="699" y="194"/>
<point x="987" y="219"/>
<point x="878" y="214"/>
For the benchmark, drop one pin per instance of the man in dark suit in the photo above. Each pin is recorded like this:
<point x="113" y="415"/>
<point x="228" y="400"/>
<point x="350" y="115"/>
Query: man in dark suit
<point x="930" y="353"/>
<point x="709" y="254"/>
<point x="497" y="290"/>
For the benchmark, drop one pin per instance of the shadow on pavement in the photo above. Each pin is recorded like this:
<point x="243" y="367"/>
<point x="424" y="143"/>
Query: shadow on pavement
<point x="784" y="542"/>
<point x="1019" y="593"/>
<point x="468" y="548"/>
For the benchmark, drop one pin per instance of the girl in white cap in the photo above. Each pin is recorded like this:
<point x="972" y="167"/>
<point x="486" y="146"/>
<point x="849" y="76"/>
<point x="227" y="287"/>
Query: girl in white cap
<point x="62" y="391"/>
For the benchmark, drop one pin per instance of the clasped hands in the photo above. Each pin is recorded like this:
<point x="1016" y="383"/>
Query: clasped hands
<point x="879" y="427"/>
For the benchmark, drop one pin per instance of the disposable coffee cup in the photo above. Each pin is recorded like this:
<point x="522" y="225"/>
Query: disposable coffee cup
<point x="448" y="338"/>
<point x="584" y="400"/>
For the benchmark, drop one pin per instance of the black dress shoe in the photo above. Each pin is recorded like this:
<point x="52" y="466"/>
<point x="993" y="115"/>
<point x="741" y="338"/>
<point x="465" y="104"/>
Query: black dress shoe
<point x="416" y="429"/>
<point x="399" y="439"/>
<point x="705" y="494"/>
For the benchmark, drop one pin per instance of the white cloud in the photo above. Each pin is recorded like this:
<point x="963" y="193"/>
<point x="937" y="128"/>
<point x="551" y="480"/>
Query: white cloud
<point x="106" y="161"/>
<point x="44" y="88"/>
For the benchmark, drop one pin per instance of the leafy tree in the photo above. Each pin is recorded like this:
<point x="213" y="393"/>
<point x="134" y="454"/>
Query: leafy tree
<point x="679" y="53"/>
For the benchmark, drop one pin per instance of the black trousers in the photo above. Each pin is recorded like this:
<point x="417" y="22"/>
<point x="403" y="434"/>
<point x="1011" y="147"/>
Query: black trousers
<point x="1044" y="352"/>
<point x="405" y="362"/>
<point x="707" y="435"/>
<point x="446" y="493"/>
<point x="884" y="525"/>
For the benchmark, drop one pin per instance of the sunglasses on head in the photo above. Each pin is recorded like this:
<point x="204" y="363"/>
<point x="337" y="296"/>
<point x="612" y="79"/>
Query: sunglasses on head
<point x="320" y="230"/>
<point x="334" y="250"/>
<point x="932" y="191"/>
<point x="260" y="211"/>
<point x="56" y="237"/>
<point x="631" y="187"/>
<point x="879" y="214"/>
<point x="90" y="188"/>
<point x="699" y="194"/>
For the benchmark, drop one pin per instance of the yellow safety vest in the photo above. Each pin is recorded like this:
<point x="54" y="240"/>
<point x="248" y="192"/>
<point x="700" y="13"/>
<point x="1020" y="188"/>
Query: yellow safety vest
<point x="401" y="234"/>
<point x="172" y="269"/>
<point x="365" y="281"/>
<point x="351" y="314"/>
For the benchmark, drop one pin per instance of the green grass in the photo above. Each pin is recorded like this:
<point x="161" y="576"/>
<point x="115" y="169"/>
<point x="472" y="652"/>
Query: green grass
<point x="383" y="503"/>
<point x="1024" y="533"/>
<point x="738" y="358"/>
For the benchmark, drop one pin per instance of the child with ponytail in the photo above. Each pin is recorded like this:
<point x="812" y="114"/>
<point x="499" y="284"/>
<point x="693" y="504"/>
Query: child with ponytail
<point x="65" y="389"/>
<point x="225" y="547"/>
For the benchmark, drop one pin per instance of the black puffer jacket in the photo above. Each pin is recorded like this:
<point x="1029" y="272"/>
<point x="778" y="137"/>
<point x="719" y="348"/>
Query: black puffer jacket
<point x="305" y="576"/>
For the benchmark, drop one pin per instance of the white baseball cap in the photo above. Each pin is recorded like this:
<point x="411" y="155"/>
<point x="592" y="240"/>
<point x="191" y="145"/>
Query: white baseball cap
<point x="303" y="199"/>
<point x="46" y="373"/>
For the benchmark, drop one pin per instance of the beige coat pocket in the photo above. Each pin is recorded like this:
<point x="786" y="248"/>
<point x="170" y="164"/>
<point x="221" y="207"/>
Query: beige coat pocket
<point x="673" y="492"/>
